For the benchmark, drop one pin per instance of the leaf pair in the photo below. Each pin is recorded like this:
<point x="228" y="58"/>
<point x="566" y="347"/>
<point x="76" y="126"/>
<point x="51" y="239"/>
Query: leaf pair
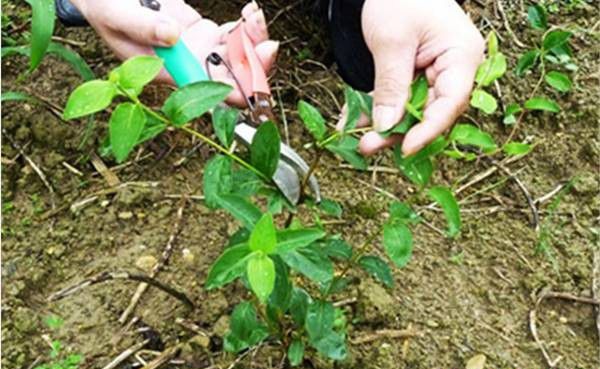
<point x="254" y="256"/>
<point x="492" y="68"/>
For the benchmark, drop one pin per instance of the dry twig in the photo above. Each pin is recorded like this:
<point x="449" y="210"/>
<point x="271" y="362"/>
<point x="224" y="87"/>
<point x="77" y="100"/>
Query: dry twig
<point x="164" y="259"/>
<point x="125" y="354"/>
<point x="109" y="276"/>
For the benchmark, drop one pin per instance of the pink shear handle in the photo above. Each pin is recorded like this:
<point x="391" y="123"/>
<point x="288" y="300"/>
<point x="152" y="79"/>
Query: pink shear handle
<point x="245" y="64"/>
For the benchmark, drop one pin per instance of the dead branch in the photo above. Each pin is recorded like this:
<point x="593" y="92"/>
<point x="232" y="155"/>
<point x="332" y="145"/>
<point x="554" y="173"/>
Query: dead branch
<point x="109" y="276"/>
<point x="164" y="259"/>
<point x="125" y="354"/>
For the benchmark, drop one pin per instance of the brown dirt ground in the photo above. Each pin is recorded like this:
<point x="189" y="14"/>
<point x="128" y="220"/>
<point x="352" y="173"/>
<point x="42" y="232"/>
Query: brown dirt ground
<point x="465" y="297"/>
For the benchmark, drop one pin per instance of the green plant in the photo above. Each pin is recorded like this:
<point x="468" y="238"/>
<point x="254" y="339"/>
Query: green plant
<point x="293" y="270"/>
<point x="58" y="359"/>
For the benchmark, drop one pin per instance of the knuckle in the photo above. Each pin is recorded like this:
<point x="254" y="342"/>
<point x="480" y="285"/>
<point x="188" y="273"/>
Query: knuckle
<point x="388" y="85"/>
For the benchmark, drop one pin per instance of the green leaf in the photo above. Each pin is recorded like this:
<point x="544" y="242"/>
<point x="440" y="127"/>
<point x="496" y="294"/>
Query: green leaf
<point x="378" y="268"/>
<point x="138" y="71"/>
<point x="483" y="101"/>
<point x="555" y="39"/>
<point x="282" y="292"/>
<point x="491" y="69"/>
<point x="217" y="179"/>
<point x="126" y="124"/>
<point x="559" y="81"/>
<point x="229" y="266"/>
<point x="296" y="352"/>
<point x="261" y="275"/>
<point x="243" y="210"/>
<point x="224" y="120"/>
<point x="338" y="248"/>
<point x="193" y="100"/>
<point x="527" y="61"/>
<point x="419" y="91"/>
<point x="299" y="305"/>
<point x="492" y="44"/>
<point x="509" y="113"/>
<point x="88" y="98"/>
<point x="42" y="27"/>
<point x="312" y="119"/>
<point x="542" y="103"/>
<point x="292" y="239"/>
<point x="245" y="329"/>
<point x="536" y="14"/>
<point x="319" y="319"/>
<point x="353" y="106"/>
<point x="331" y="207"/>
<point x="398" y="243"/>
<point x="68" y="55"/>
<point x="263" y="237"/>
<point x="265" y="149"/>
<point x="456" y="154"/>
<point x="419" y="167"/>
<point x="400" y="211"/>
<point x="54" y="322"/>
<point x="447" y="202"/>
<point x="310" y="261"/>
<point x="332" y="345"/>
<point x="347" y="148"/>
<point x="15" y="96"/>
<point x="516" y="148"/>
<point x="468" y="134"/>
<point x="246" y="183"/>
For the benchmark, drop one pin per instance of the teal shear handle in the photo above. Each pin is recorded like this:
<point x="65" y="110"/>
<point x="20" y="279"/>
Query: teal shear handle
<point x="181" y="64"/>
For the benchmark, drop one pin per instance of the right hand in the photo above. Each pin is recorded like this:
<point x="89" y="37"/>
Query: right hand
<point x="130" y="29"/>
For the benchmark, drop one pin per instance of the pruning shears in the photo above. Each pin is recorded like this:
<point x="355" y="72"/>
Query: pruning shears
<point x="247" y="71"/>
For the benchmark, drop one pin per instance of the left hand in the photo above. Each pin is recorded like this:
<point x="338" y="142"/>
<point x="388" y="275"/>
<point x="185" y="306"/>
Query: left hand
<point x="407" y="35"/>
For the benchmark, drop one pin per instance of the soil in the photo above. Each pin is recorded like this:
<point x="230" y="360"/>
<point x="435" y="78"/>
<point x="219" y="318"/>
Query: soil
<point x="464" y="297"/>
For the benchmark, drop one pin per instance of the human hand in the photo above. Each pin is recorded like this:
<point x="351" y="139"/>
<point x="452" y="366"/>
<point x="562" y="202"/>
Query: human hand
<point x="407" y="35"/>
<point x="130" y="29"/>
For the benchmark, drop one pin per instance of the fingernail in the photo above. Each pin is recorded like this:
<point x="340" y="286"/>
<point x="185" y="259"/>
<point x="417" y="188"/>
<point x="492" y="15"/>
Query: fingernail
<point x="167" y="32"/>
<point x="384" y="117"/>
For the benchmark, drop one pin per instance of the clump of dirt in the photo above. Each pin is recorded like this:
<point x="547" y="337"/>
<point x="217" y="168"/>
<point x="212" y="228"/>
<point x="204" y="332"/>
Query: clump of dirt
<point x="463" y="297"/>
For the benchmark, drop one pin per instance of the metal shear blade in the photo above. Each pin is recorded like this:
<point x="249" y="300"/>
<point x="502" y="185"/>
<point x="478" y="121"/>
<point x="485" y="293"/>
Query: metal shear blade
<point x="291" y="169"/>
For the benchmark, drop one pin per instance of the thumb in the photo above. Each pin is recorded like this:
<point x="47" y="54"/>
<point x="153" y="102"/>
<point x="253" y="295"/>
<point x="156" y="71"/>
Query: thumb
<point x="394" y="69"/>
<point x="143" y="25"/>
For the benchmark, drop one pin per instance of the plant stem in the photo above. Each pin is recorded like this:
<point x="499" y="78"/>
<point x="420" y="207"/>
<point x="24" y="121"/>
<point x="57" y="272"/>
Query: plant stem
<point x="361" y="251"/>
<point x="339" y="134"/>
<point x="195" y="133"/>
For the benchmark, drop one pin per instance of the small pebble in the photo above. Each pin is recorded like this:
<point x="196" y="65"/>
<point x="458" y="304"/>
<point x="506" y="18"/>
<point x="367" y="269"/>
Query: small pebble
<point x="146" y="262"/>
<point x="432" y="323"/>
<point x="563" y="320"/>
<point x="104" y="203"/>
<point x="125" y="215"/>
<point x="187" y="255"/>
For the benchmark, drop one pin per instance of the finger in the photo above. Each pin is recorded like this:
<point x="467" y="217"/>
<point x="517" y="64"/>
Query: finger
<point x="372" y="142"/>
<point x="148" y="27"/>
<point x="452" y="89"/>
<point x="394" y="68"/>
<point x="267" y="53"/>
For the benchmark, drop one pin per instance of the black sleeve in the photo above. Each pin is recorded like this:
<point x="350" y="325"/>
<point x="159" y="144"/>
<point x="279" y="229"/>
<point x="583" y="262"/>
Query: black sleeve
<point x="68" y="14"/>
<point x="354" y="60"/>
